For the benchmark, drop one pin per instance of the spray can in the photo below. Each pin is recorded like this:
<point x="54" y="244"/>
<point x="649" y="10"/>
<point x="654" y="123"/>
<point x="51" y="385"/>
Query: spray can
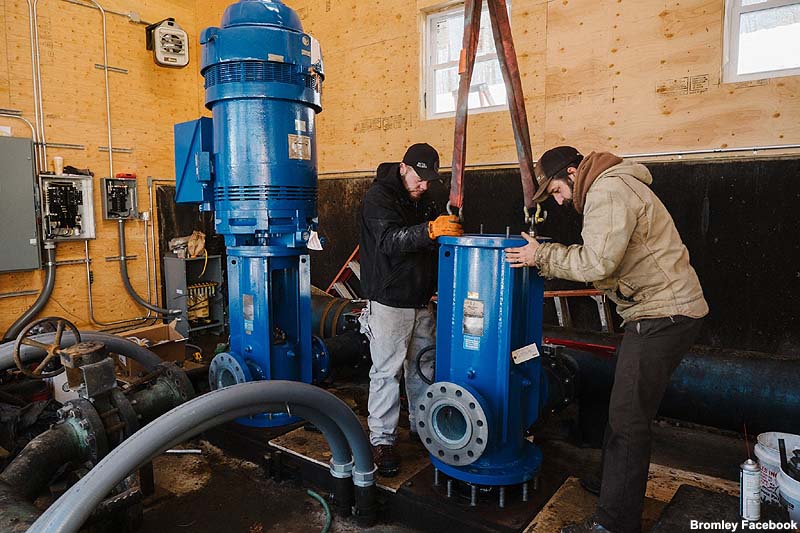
<point x="750" y="491"/>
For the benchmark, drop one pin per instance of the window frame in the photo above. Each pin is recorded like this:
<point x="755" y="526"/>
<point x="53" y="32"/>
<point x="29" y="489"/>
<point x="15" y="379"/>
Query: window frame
<point x="429" y="68"/>
<point x="733" y="12"/>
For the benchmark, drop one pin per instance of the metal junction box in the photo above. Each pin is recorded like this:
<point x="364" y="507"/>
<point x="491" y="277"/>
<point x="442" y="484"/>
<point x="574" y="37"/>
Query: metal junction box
<point x="67" y="207"/>
<point x="19" y="234"/>
<point x="120" y="200"/>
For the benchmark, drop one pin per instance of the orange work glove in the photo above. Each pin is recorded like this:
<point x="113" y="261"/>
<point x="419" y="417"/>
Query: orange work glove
<point x="445" y="225"/>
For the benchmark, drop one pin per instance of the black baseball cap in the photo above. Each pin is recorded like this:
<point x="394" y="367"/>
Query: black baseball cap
<point x="425" y="160"/>
<point x="550" y="164"/>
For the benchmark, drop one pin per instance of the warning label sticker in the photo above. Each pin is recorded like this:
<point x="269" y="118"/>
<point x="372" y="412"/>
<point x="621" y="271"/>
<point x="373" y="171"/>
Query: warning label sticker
<point x="472" y="343"/>
<point x="300" y="147"/>
<point x="473" y="317"/>
<point x="248" y="312"/>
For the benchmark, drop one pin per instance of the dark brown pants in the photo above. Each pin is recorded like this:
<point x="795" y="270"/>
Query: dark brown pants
<point x="650" y="352"/>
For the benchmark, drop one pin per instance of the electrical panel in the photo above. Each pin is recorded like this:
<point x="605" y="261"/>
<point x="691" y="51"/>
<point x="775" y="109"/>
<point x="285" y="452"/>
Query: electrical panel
<point x="120" y="201"/>
<point x="169" y="43"/>
<point x="19" y="232"/>
<point x="67" y="207"/>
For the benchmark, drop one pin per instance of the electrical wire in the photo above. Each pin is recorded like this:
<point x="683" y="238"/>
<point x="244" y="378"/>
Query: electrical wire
<point x="205" y="263"/>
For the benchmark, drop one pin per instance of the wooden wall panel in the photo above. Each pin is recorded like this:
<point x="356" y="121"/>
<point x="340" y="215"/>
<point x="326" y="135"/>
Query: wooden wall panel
<point x="625" y="75"/>
<point x="618" y="73"/>
<point x="145" y="103"/>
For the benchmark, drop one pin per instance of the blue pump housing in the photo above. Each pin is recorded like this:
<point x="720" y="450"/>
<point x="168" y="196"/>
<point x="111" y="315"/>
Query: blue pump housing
<point x="254" y="163"/>
<point x="473" y="418"/>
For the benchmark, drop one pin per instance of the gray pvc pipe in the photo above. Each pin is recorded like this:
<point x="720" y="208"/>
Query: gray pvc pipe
<point x="119" y="345"/>
<point x="123" y="270"/>
<point x="40" y="302"/>
<point x="70" y="511"/>
<point x="340" y="448"/>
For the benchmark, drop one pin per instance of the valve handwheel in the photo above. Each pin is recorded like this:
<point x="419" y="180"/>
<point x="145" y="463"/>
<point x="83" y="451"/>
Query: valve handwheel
<point x="53" y="349"/>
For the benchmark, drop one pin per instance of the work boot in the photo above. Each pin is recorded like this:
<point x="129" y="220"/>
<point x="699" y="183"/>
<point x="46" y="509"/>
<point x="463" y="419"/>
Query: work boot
<point x="590" y="525"/>
<point x="386" y="459"/>
<point x="591" y="484"/>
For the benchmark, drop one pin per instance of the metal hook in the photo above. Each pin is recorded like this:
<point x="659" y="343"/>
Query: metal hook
<point x="451" y="213"/>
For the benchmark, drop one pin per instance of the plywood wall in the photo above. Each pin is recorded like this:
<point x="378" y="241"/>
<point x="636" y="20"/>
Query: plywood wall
<point x="145" y="103"/>
<point x="624" y="75"/>
<point x="630" y="76"/>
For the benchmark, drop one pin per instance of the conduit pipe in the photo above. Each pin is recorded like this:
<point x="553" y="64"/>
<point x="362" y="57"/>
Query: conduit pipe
<point x="34" y="135"/>
<point x="88" y="261"/>
<point x="41" y="301"/>
<point x="70" y="511"/>
<point x="123" y="270"/>
<point x="41" y="142"/>
<point x="113" y="343"/>
<point x="35" y="54"/>
<point x="39" y="139"/>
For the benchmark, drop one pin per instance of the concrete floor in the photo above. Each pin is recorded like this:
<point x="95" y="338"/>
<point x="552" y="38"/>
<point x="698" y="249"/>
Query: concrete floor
<point x="217" y="491"/>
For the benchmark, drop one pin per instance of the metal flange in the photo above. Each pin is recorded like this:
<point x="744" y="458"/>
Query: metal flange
<point x="83" y="416"/>
<point x="452" y="423"/>
<point x="228" y="369"/>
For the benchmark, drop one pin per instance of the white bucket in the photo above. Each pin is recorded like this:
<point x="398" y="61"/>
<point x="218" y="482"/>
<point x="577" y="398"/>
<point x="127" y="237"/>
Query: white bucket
<point x="790" y="495"/>
<point x="770" y="460"/>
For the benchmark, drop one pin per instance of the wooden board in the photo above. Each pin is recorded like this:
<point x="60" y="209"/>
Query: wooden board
<point x="572" y="503"/>
<point x="311" y="445"/>
<point x="597" y="74"/>
<point x="145" y="103"/>
<point x="611" y="74"/>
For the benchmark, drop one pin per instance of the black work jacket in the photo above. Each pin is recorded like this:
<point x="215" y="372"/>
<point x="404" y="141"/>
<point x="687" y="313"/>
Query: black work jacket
<point x="398" y="259"/>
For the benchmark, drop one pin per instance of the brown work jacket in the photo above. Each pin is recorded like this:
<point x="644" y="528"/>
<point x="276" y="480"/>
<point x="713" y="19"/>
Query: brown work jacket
<point x="631" y="250"/>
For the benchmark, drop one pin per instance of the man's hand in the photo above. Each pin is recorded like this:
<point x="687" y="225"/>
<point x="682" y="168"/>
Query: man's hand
<point x="445" y="226"/>
<point x="522" y="257"/>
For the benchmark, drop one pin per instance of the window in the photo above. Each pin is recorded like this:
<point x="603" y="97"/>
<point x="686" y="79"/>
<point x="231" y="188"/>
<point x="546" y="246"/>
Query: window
<point x="762" y="39"/>
<point x="444" y="36"/>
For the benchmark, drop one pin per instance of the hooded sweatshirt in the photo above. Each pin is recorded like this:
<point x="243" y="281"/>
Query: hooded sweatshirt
<point x="631" y="249"/>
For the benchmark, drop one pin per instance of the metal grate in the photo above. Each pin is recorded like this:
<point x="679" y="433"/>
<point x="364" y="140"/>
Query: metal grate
<point x="245" y="193"/>
<point x="258" y="71"/>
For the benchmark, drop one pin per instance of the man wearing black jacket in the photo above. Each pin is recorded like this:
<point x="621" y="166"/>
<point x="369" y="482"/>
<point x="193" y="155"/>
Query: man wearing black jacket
<point x="398" y="277"/>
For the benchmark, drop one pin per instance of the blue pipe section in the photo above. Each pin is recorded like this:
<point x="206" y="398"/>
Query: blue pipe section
<point x="255" y="165"/>
<point x="486" y="311"/>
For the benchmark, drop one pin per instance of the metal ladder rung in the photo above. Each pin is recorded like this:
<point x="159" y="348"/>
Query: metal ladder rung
<point x="355" y="266"/>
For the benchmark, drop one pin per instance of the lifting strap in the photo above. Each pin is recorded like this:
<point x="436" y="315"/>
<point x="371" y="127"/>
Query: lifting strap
<point x="504" y="43"/>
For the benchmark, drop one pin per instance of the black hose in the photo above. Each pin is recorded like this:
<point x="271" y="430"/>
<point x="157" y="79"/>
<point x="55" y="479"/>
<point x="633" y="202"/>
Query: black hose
<point x="420" y="373"/>
<point x="28" y="316"/>
<point x="123" y="270"/>
<point x="41" y="460"/>
<point x="113" y="343"/>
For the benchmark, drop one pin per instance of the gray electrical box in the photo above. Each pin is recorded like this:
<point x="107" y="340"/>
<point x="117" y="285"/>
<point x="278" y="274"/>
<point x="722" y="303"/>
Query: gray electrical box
<point x="195" y="287"/>
<point x="19" y="234"/>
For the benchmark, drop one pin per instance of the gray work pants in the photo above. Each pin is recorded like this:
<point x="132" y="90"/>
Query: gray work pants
<point x="396" y="336"/>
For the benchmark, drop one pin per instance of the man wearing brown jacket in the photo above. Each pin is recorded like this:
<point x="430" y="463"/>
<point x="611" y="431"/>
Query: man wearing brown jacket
<point x="632" y="251"/>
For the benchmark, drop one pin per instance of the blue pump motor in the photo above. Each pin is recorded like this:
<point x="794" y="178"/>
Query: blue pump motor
<point x="489" y="382"/>
<point x="255" y="165"/>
